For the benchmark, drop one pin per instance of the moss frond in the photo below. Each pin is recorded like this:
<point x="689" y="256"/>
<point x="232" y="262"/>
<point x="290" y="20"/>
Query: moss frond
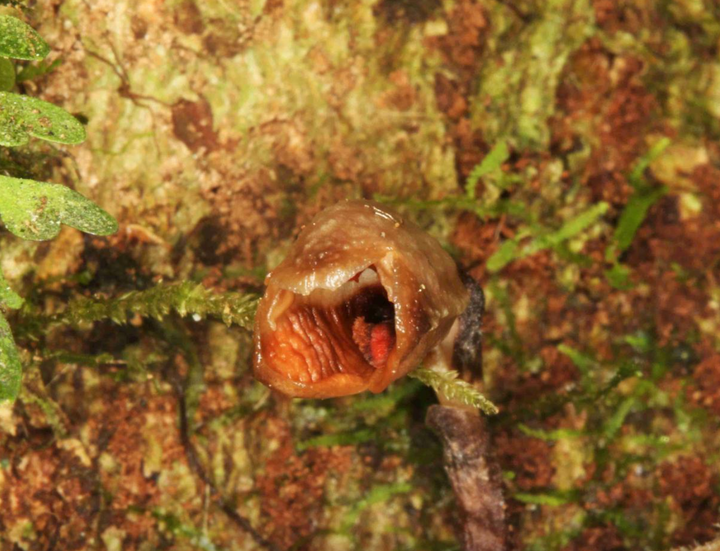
<point x="450" y="387"/>
<point x="185" y="298"/>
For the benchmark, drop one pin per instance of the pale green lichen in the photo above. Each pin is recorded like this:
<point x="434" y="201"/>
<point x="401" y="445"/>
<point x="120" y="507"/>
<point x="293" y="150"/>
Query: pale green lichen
<point x="517" y="86"/>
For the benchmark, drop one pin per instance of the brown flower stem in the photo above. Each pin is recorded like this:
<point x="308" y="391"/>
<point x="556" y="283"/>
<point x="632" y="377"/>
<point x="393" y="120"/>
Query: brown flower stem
<point x="474" y="475"/>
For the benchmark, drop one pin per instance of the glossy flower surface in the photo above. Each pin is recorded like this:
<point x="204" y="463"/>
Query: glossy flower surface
<point x="358" y="302"/>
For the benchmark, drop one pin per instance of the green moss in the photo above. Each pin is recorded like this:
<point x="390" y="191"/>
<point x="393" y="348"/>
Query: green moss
<point x="186" y="299"/>
<point x="197" y="538"/>
<point x="637" y="206"/>
<point x="512" y="250"/>
<point x="304" y="106"/>
<point x="380" y="493"/>
<point x="339" y="439"/>
<point x="452" y="389"/>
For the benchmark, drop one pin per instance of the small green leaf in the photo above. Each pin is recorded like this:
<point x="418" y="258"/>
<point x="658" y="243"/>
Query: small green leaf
<point x="634" y="214"/>
<point x="453" y="389"/>
<point x="377" y="494"/>
<point x="19" y="40"/>
<point x="550" y="435"/>
<point x="34" y="210"/>
<point x="619" y="277"/>
<point x="510" y="250"/>
<point x="10" y="366"/>
<point x="35" y="70"/>
<point x="492" y="162"/>
<point x="552" y="499"/>
<point x="339" y="439"/>
<point x="197" y="538"/>
<point x="7" y="75"/>
<point x="503" y="256"/>
<point x="8" y="297"/>
<point x="569" y="229"/>
<point x="636" y="178"/>
<point x="582" y="361"/>
<point x="616" y="421"/>
<point x="24" y="116"/>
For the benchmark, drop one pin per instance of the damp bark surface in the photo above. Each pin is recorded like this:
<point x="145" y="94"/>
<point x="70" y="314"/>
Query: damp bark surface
<point x="217" y="130"/>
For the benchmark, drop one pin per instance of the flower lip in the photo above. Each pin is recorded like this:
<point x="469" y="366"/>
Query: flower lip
<point x="330" y="339"/>
<point x="358" y="302"/>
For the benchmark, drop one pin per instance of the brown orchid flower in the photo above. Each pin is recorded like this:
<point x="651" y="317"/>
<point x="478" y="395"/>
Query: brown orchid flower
<point x="358" y="302"/>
